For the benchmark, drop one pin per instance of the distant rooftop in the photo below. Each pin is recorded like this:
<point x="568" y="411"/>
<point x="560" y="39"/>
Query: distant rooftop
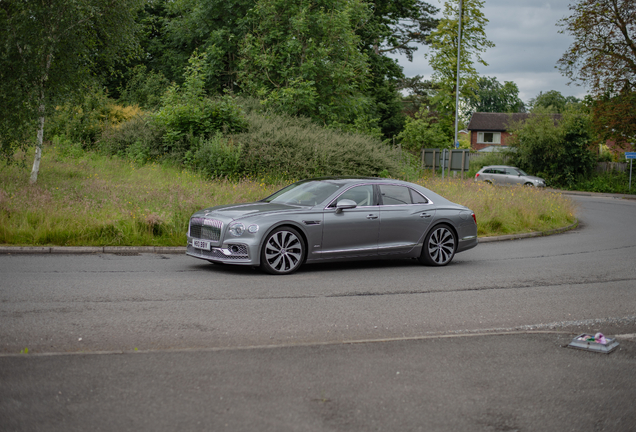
<point x="498" y="122"/>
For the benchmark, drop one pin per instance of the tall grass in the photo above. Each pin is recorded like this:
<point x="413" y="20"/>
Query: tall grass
<point x="85" y="199"/>
<point x="506" y="210"/>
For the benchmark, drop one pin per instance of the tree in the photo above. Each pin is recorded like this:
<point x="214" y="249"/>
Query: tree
<point x="553" y="101"/>
<point x="443" y="59"/>
<point x="302" y="57"/>
<point x="422" y="130"/>
<point x="603" y="55"/>
<point x="49" y="49"/>
<point x="555" y="147"/>
<point x="614" y="119"/>
<point x="492" y="96"/>
<point x="394" y="26"/>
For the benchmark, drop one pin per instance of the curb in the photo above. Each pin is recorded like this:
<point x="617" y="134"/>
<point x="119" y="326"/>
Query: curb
<point x="593" y="194"/>
<point x="73" y="250"/>
<point x="529" y="235"/>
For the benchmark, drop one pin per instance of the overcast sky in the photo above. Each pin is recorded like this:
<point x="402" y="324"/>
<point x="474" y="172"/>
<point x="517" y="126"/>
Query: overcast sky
<point x="527" y="46"/>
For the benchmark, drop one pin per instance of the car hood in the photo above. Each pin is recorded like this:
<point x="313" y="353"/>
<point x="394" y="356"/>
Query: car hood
<point x="529" y="177"/>
<point x="238" y="211"/>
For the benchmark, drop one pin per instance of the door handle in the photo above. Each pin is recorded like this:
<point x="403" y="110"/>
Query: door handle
<point x="425" y="215"/>
<point x="372" y="216"/>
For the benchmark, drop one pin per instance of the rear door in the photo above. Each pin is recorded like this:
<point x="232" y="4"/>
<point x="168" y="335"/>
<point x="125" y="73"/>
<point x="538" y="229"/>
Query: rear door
<point x="404" y="218"/>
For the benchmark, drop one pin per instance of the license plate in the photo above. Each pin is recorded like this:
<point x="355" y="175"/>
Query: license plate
<point x="201" y="244"/>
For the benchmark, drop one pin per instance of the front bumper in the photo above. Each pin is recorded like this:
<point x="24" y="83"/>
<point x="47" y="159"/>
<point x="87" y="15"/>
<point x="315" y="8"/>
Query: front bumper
<point x="233" y="252"/>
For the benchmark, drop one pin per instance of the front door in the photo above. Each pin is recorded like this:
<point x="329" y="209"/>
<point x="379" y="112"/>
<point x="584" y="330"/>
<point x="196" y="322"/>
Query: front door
<point x="352" y="232"/>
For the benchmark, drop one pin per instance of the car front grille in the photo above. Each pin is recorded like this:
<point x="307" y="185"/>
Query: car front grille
<point x="206" y="229"/>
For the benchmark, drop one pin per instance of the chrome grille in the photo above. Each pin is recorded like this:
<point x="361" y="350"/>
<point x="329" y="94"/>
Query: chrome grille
<point x="207" y="229"/>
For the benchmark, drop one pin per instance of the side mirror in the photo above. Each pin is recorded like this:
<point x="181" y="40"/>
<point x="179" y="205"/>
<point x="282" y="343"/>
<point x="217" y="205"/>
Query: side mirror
<point x="345" y="204"/>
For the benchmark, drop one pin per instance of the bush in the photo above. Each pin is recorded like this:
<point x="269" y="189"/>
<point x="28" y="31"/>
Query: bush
<point x="555" y="148"/>
<point x="140" y="139"/>
<point x="217" y="157"/>
<point x="298" y="148"/>
<point x="145" y="88"/>
<point x="187" y="113"/>
<point x="83" y="122"/>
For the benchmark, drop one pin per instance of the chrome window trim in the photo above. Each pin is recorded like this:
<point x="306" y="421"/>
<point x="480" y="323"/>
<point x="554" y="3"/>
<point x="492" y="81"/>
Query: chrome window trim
<point x="327" y="207"/>
<point x="397" y="205"/>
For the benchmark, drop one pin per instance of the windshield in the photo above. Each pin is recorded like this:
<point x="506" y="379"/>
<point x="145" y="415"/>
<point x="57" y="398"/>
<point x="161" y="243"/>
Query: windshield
<point x="522" y="172"/>
<point x="305" y="193"/>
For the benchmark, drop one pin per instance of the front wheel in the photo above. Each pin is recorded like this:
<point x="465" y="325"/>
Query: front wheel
<point x="283" y="251"/>
<point x="439" y="246"/>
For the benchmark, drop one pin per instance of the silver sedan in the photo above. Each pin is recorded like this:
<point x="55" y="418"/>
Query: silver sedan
<point x="333" y="219"/>
<point x="507" y="175"/>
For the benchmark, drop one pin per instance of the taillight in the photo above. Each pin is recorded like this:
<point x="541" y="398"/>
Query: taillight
<point x="476" y="175"/>
<point x="475" y="218"/>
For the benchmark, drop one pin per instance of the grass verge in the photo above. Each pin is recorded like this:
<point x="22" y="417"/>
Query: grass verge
<point x="89" y="200"/>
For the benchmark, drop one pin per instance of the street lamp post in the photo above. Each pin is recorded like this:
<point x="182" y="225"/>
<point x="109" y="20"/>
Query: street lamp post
<point x="459" y="48"/>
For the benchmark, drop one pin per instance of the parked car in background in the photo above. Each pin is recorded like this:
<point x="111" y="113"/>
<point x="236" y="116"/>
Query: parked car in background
<point x="507" y="175"/>
<point x="333" y="219"/>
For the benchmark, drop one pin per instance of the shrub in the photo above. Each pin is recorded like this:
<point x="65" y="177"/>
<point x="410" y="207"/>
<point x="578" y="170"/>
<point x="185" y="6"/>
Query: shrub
<point x="298" y="148"/>
<point x="187" y="113"/>
<point x="84" y="121"/>
<point x="145" y="88"/>
<point x="556" y="149"/>
<point x="217" y="157"/>
<point x="139" y="138"/>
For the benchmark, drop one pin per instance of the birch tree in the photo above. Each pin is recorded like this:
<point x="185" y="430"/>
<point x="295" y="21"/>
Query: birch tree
<point x="48" y="50"/>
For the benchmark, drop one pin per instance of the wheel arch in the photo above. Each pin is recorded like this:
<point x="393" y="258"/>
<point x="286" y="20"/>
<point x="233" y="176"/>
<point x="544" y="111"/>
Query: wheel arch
<point x="289" y="224"/>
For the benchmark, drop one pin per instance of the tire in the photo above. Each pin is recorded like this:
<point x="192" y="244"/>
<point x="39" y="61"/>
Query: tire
<point x="528" y="184"/>
<point x="439" y="246"/>
<point x="283" y="251"/>
<point x="488" y="182"/>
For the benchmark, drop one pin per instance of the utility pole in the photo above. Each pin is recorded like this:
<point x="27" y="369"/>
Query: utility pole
<point x="459" y="49"/>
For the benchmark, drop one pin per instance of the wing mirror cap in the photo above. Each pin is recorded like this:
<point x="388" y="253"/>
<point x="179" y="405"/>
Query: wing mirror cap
<point x="345" y="204"/>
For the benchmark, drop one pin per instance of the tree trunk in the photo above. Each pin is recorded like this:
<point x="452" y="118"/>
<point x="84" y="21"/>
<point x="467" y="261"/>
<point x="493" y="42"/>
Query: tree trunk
<point x="38" y="145"/>
<point x="42" y="110"/>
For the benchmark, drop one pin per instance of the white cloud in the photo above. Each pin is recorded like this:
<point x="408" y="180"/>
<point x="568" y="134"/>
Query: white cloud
<point x="527" y="47"/>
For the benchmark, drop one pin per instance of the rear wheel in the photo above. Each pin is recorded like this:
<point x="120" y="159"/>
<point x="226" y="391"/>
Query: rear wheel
<point x="439" y="246"/>
<point x="283" y="251"/>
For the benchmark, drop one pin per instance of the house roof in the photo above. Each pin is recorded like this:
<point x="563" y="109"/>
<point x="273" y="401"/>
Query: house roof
<point x="498" y="122"/>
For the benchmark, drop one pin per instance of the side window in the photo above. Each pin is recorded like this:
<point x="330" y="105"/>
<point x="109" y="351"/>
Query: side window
<point x="362" y="195"/>
<point x="395" y="195"/>
<point x="417" y="198"/>
<point x="511" y="171"/>
<point x="488" y="171"/>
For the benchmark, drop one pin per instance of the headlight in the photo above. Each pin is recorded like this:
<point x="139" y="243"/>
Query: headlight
<point x="237" y="229"/>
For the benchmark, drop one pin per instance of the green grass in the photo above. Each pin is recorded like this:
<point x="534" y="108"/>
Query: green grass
<point x="84" y="199"/>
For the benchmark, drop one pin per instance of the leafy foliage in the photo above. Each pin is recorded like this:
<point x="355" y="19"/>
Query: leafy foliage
<point x="443" y="59"/>
<point x="614" y="119"/>
<point x="187" y="112"/>
<point x="49" y="50"/>
<point x="492" y="96"/>
<point x="301" y="57"/>
<point x="298" y="148"/>
<point x="423" y="131"/>
<point x="553" y="101"/>
<point x="145" y="88"/>
<point x="556" y="148"/>
<point x="603" y="54"/>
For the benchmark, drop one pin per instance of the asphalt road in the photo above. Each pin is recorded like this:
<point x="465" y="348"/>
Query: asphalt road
<point x="167" y="342"/>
